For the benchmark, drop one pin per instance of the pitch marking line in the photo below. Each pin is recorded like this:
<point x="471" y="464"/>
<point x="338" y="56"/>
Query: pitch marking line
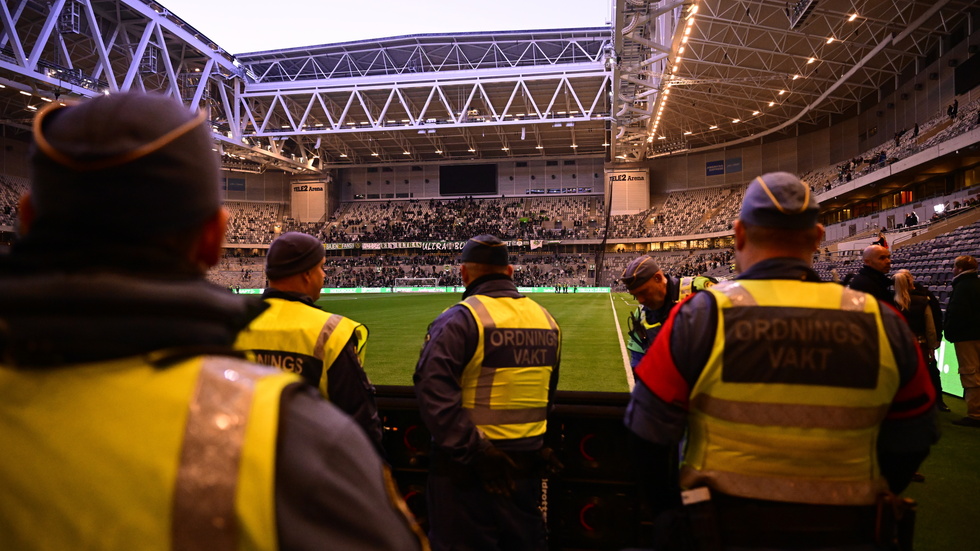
<point x="622" y="344"/>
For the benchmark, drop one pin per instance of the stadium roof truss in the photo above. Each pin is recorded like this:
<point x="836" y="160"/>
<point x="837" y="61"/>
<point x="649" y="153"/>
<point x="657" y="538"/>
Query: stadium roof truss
<point x="705" y="74"/>
<point x="666" y="76"/>
<point x="67" y="49"/>
<point x="431" y="98"/>
<point x="425" y="98"/>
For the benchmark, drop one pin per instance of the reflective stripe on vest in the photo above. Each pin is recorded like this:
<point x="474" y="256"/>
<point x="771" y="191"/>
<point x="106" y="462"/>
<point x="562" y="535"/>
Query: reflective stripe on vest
<point x="505" y="384"/>
<point x="207" y="476"/>
<point x="789" y="404"/>
<point x="295" y="337"/>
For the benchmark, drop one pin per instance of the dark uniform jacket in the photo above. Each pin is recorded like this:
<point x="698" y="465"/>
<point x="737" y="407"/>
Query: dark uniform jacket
<point x="963" y="311"/>
<point x="872" y="281"/>
<point x="450" y="344"/>
<point x="921" y="300"/>
<point x="348" y="386"/>
<point x="57" y="310"/>
<point x="650" y="323"/>
<point x="647" y="322"/>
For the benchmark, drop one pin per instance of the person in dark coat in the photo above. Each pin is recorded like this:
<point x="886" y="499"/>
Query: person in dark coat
<point x="873" y="276"/>
<point x="771" y="404"/>
<point x="485" y="382"/>
<point x="962" y="328"/>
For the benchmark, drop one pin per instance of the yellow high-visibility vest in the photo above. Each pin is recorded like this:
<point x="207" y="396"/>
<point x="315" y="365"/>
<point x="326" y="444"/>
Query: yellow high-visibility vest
<point x="505" y="384"/>
<point x="789" y="404"/>
<point x="123" y="455"/>
<point x="294" y="337"/>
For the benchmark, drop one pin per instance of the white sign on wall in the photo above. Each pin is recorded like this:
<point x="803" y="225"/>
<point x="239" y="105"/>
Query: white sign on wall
<point x="309" y="201"/>
<point x="629" y="190"/>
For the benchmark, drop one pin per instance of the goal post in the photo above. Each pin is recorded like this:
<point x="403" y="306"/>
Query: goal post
<point x="416" y="282"/>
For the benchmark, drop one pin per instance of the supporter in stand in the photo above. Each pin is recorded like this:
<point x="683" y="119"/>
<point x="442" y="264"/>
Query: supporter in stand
<point x="873" y="276"/>
<point x="925" y="316"/>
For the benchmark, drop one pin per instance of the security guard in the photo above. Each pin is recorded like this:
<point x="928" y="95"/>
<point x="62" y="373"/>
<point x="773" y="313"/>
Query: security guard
<point x="295" y="335"/>
<point x="804" y="401"/>
<point x="485" y="380"/>
<point x="126" y="418"/>
<point x="657" y="293"/>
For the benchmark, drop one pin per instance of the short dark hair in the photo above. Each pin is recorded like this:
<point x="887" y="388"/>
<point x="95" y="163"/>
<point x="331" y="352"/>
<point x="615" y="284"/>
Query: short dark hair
<point x="965" y="263"/>
<point x="784" y="238"/>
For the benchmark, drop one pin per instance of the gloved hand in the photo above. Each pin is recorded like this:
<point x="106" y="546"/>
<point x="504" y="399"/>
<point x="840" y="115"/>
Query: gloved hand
<point x="496" y="470"/>
<point x="549" y="461"/>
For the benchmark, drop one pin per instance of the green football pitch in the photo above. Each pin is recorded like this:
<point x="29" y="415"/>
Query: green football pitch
<point x="592" y="355"/>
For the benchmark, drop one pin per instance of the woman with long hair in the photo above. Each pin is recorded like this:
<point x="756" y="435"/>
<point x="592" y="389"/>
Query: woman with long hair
<point x="881" y="239"/>
<point x="915" y="302"/>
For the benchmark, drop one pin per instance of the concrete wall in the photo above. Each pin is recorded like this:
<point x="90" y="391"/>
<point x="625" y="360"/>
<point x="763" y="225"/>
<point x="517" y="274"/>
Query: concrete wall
<point x="270" y="187"/>
<point x="513" y="178"/>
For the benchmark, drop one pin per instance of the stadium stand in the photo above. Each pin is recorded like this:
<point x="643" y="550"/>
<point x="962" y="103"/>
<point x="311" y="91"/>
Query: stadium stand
<point x="684" y="212"/>
<point x="455" y="219"/>
<point x="11" y="188"/>
<point x="243" y="268"/>
<point x="253" y="223"/>
<point x="545" y="269"/>
<point x="936" y="130"/>
<point x="929" y="260"/>
<point x="576" y="219"/>
<point x="567" y="218"/>
<point x="240" y="271"/>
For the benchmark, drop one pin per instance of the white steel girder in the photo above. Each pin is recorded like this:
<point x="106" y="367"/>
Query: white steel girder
<point x="435" y="97"/>
<point x="664" y="73"/>
<point x="646" y="34"/>
<point x="104" y="53"/>
<point x="83" y="48"/>
<point x="429" y="54"/>
<point x="398" y="112"/>
<point x="427" y="105"/>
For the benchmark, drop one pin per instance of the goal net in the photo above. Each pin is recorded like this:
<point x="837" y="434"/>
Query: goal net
<point x="416" y="282"/>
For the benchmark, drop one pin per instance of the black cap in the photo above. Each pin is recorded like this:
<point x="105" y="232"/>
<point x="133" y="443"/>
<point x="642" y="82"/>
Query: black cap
<point x="292" y="253"/>
<point x="485" y="249"/>
<point x="123" y="165"/>
<point x="639" y="271"/>
<point x="779" y="200"/>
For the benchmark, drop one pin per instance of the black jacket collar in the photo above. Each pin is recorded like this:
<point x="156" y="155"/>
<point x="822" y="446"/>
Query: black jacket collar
<point x="492" y="285"/>
<point x="272" y="292"/>
<point x="51" y="319"/>
<point x="780" y="268"/>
